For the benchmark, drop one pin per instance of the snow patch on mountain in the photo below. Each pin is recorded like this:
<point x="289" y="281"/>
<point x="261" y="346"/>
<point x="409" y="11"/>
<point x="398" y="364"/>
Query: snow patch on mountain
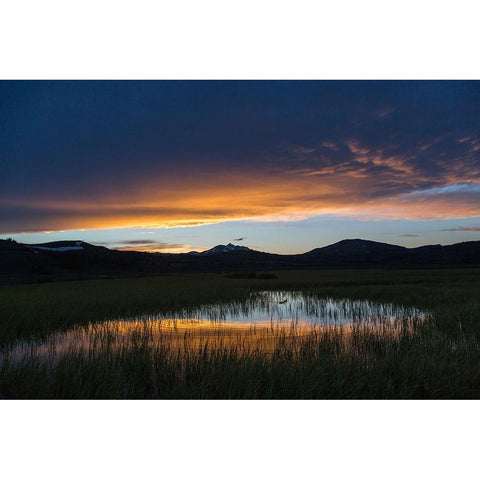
<point x="60" y="249"/>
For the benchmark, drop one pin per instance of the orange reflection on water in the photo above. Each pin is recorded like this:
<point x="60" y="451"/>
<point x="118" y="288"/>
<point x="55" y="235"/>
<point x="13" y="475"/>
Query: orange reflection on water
<point x="263" y="323"/>
<point x="176" y="337"/>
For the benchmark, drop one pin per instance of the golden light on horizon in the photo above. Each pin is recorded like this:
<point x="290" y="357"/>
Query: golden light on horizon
<point x="274" y="194"/>
<point x="295" y="199"/>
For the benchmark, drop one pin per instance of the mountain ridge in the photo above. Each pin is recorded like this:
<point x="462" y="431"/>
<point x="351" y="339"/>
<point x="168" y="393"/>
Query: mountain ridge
<point x="77" y="260"/>
<point x="230" y="247"/>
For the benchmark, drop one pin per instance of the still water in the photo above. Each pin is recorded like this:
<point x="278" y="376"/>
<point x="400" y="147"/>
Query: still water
<point x="257" y="321"/>
<point x="265" y="308"/>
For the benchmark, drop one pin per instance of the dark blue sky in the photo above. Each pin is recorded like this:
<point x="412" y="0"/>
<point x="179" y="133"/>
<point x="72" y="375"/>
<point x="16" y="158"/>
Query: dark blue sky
<point x="378" y="159"/>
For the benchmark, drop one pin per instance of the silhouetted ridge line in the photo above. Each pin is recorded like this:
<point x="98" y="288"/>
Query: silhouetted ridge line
<point x="75" y="259"/>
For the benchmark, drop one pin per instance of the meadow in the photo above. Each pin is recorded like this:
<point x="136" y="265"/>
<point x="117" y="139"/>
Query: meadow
<point x="436" y="358"/>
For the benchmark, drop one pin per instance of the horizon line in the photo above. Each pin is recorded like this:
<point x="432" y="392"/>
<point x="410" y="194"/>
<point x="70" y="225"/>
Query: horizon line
<point x="229" y="243"/>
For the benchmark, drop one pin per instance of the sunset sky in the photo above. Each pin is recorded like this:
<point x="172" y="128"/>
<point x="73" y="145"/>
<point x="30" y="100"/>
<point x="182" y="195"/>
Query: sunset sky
<point x="286" y="166"/>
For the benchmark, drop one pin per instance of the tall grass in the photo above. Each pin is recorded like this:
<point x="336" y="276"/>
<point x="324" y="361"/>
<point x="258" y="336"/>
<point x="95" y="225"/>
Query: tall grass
<point x="322" y="363"/>
<point x="437" y="358"/>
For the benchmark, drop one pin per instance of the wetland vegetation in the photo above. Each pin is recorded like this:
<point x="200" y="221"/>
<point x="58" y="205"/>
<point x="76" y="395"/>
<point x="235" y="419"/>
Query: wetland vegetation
<point x="314" y="334"/>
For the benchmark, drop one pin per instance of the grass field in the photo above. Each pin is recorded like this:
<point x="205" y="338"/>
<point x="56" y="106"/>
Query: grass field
<point x="439" y="358"/>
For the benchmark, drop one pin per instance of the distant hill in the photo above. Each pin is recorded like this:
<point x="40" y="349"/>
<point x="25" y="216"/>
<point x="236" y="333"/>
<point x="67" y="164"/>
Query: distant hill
<point x="357" y="251"/>
<point x="75" y="259"/>
<point x="230" y="248"/>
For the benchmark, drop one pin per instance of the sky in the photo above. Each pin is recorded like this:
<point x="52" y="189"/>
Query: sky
<point x="279" y="166"/>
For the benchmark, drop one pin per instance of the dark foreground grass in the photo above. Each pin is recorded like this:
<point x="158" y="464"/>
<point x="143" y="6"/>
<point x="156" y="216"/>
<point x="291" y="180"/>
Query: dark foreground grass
<point x="437" y="359"/>
<point x="410" y="367"/>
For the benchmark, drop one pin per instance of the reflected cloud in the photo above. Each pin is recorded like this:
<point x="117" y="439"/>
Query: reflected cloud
<point x="262" y="321"/>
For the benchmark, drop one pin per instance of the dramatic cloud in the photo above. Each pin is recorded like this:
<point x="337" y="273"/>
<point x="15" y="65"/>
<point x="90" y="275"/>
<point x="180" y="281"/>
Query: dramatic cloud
<point x="143" y="245"/>
<point x="89" y="155"/>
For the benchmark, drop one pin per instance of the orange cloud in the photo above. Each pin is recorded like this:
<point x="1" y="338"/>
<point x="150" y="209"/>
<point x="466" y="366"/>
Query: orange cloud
<point x="356" y="148"/>
<point x="156" y="248"/>
<point x="393" y="192"/>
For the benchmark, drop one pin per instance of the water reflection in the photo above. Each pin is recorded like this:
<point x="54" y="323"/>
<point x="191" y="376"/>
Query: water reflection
<point x="256" y="324"/>
<point x="286" y="307"/>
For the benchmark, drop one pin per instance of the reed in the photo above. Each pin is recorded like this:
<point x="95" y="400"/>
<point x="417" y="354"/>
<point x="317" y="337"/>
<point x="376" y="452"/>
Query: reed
<point x="433" y="357"/>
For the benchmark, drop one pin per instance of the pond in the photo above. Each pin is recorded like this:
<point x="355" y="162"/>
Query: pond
<point x="258" y="322"/>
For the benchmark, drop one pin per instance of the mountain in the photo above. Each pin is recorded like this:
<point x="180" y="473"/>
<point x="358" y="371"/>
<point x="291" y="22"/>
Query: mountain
<point x="230" y="248"/>
<point x="465" y="253"/>
<point x="356" y="251"/>
<point x="77" y="260"/>
<point x="63" y="246"/>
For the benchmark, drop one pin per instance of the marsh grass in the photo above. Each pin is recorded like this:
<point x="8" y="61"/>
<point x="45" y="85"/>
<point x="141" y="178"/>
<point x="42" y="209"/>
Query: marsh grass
<point x="438" y="357"/>
<point x="327" y="362"/>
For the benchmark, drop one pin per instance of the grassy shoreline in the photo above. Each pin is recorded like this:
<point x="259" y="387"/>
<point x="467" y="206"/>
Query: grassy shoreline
<point x="440" y="359"/>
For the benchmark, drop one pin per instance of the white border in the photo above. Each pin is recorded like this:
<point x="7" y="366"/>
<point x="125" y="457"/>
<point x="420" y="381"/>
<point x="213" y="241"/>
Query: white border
<point x="239" y="439"/>
<point x="252" y="39"/>
<point x="238" y="40"/>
